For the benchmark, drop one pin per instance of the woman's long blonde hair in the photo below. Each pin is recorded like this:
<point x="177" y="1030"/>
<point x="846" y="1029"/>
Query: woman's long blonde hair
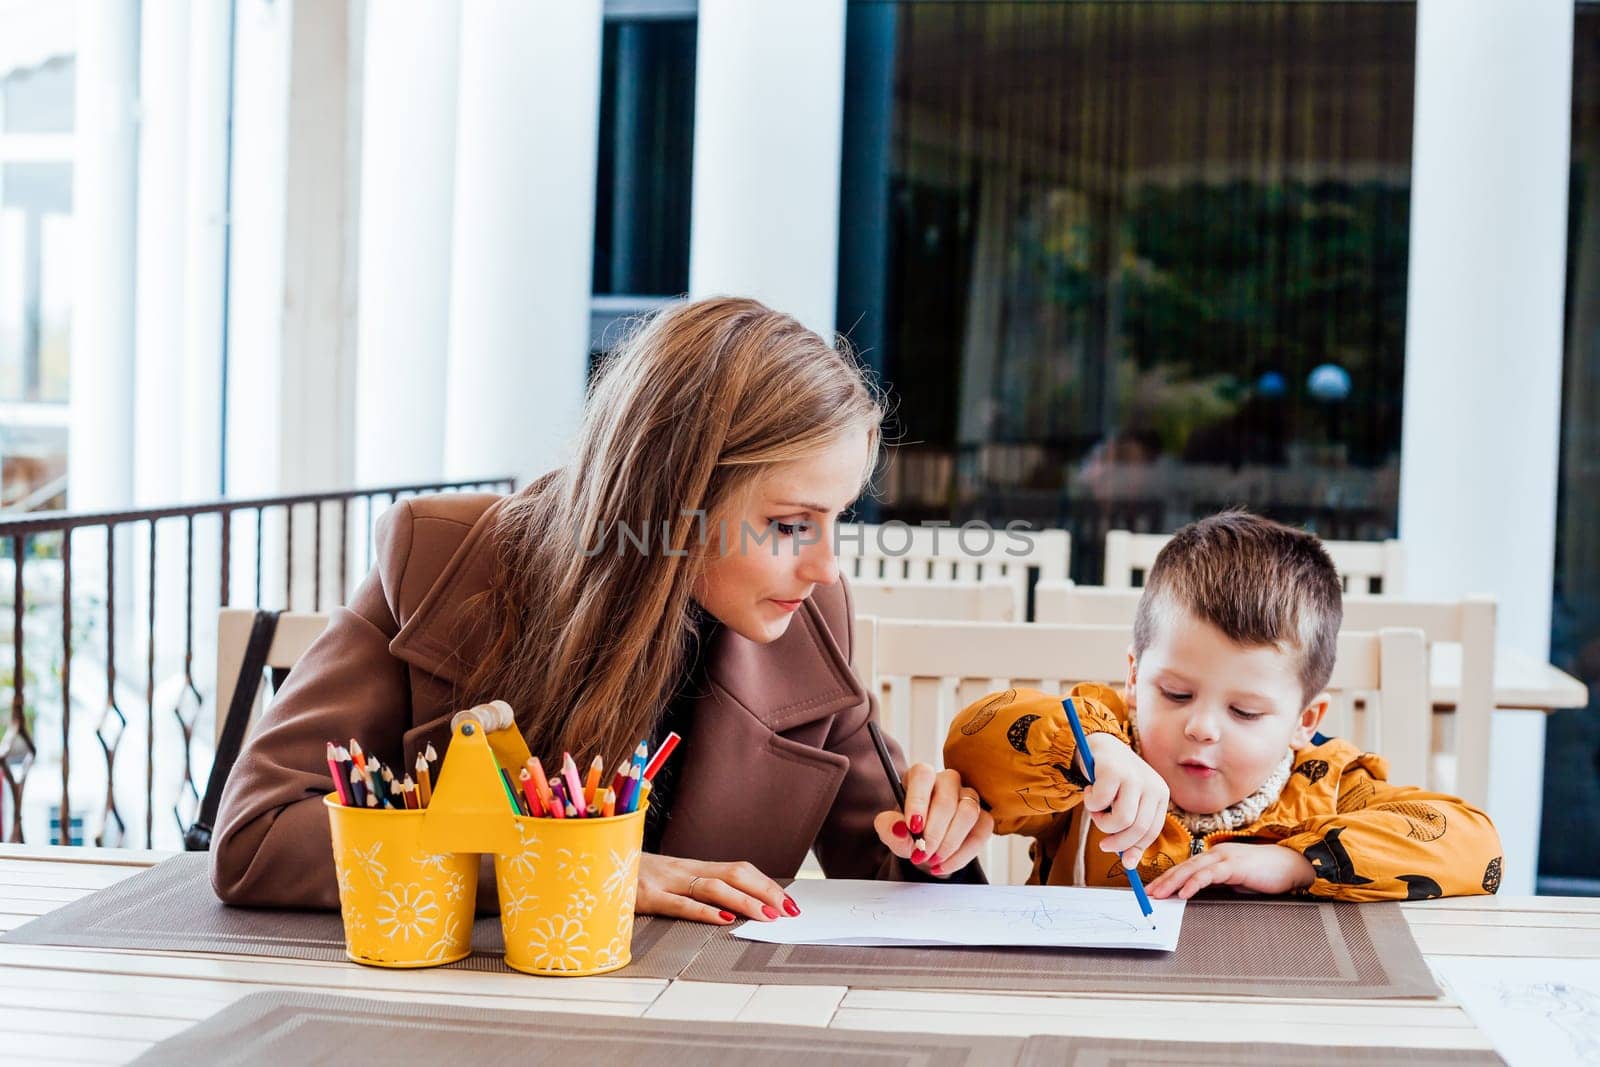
<point x="588" y="631"/>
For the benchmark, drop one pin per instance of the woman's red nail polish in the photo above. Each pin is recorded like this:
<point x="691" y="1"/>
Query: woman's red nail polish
<point x="790" y="906"/>
<point x="936" y="861"/>
<point x="727" y="916"/>
<point x="937" y="869"/>
<point x="917" y="856"/>
<point x="916" y="824"/>
<point x="769" y="911"/>
<point x="901" y="830"/>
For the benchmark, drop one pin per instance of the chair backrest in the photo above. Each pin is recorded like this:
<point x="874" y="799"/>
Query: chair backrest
<point x="992" y="600"/>
<point x="296" y="630"/>
<point x="1361" y="564"/>
<point x="925" y="672"/>
<point x="939" y="554"/>
<point x="1459" y="761"/>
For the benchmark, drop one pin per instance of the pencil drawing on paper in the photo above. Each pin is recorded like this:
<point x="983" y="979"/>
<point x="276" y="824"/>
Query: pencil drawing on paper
<point x="1572" y="1009"/>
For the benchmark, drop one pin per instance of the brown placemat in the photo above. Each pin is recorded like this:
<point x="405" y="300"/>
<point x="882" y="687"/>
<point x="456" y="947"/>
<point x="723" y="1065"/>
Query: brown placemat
<point x="171" y="907"/>
<point x="298" y="1028"/>
<point x="301" y="1028"/>
<point x="1257" y="948"/>
<point x="1110" y="1052"/>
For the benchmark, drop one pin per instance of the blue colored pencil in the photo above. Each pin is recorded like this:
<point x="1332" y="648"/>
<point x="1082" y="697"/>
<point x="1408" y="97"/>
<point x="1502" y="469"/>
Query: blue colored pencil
<point x="1088" y="772"/>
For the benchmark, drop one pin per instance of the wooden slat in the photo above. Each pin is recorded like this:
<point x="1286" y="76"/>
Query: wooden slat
<point x="792" y="1005"/>
<point x="701" y="1001"/>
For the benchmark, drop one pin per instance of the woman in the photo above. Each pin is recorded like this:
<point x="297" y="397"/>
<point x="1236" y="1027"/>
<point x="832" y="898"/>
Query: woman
<point x="677" y="574"/>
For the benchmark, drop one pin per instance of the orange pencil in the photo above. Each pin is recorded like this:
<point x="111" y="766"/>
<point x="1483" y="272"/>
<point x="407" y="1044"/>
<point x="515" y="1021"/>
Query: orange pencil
<point x="531" y="790"/>
<point x="596" y="769"/>
<point x="540" y="782"/>
<point x="609" y="807"/>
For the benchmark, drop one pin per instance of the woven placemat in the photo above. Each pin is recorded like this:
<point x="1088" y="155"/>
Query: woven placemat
<point x="1257" y="948"/>
<point x="302" y="1028"/>
<point x="299" y="1028"/>
<point x="171" y="907"/>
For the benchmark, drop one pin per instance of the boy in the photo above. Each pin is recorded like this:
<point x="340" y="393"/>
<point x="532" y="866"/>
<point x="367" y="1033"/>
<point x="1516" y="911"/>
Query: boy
<point x="1209" y="770"/>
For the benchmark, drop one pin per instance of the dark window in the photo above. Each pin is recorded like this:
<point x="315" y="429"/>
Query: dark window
<point x="1569" y="849"/>
<point x="1123" y="265"/>
<point x="642" y="194"/>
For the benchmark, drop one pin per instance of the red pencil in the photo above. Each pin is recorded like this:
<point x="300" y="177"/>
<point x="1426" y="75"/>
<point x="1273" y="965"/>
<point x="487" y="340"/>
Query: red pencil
<point x="661" y="756"/>
<point x="338" y="778"/>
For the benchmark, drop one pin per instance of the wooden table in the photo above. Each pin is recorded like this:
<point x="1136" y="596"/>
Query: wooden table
<point x="104" y="1006"/>
<point x="1520" y="681"/>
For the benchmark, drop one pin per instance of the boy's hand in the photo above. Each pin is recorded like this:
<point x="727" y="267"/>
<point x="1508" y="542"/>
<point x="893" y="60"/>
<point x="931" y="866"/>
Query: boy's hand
<point x="1128" y="800"/>
<point x="1253" y="868"/>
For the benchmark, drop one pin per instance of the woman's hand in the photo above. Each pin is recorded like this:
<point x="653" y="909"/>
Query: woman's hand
<point x="943" y="826"/>
<point x="1128" y="800"/>
<point x="1252" y="868"/>
<point x="708" y="892"/>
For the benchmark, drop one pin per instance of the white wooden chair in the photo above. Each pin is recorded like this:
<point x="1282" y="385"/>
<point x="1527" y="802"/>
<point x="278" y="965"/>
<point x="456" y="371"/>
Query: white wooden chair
<point x="1359" y="563"/>
<point x="1459" y="762"/>
<point x="940" y="554"/>
<point x="992" y="600"/>
<point x="296" y="630"/>
<point x="925" y="672"/>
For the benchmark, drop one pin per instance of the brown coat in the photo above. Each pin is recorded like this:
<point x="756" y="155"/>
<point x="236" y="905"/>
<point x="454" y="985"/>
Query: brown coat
<point x="780" y="760"/>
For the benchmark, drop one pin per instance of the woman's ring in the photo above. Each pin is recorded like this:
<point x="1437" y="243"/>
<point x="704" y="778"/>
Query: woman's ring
<point x="972" y="795"/>
<point x="689" y="890"/>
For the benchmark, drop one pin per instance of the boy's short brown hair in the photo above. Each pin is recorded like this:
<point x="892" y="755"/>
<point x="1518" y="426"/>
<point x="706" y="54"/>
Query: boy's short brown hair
<point x="1258" y="581"/>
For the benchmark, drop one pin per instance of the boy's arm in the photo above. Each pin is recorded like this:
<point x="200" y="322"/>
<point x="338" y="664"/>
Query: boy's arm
<point x="1389" y="842"/>
<point x="1016" y="749"/>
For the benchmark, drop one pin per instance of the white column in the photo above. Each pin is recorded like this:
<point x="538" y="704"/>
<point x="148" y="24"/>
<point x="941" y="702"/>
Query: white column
<point x="158" y="412"/>
<point x="204" y="240"/>
<point x="255" y="413"/>
<point x="407" y="175"/>
<point x="319" y="352"/>
<point x="100" y="449"/>
<point x="1483" y="341"/>
<point x="177" y="401"/>
<point x="768" y="115"/>
<point x="527" y="134"/>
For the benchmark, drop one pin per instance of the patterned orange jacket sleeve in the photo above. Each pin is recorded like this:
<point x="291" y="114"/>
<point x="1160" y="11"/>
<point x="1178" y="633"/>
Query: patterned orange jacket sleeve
<point x="1017" y="750"/>
<point x="1391" y="842"/>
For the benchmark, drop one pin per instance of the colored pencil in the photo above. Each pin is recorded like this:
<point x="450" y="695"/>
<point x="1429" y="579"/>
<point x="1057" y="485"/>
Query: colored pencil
<point x="558" y="801"/>
<point x="424" y="782"/>
<point x="609" y="806"/>
<point x="574" y="790"/>
<point x="531" y="792"/>
<point x="1087" y="759"/>
<point x="591" y="783"/>
<point x="358" y="788"/>
<point x="338" y="780"/>
<point x="661" y="755"/>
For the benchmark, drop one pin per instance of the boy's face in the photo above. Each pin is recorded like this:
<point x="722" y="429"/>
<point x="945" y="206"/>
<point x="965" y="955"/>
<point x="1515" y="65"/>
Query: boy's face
<point x="1215" y="718"/>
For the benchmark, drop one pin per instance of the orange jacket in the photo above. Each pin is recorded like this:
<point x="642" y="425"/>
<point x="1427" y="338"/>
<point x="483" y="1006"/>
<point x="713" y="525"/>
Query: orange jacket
<point x="1366" y="839"/>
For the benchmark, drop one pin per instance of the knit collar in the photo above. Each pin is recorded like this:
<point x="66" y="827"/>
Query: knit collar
<point x="1244" y="812"/>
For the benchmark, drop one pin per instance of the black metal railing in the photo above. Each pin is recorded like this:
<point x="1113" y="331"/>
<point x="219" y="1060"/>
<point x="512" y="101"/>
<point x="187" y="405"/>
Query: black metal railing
<point x="68" y="599"/>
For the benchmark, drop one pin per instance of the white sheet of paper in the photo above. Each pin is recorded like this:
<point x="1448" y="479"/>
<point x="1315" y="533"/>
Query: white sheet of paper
<point x="846" y="912"/>
<point x="1534" y="1011"/>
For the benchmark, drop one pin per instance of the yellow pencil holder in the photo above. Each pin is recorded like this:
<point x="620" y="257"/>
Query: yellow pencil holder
<point x="567" y="894"/>
<point x="404" y="904"/>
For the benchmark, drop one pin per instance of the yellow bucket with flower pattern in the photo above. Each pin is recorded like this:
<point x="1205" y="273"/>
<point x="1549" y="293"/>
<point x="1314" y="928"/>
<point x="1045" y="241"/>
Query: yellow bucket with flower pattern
<point x="404" y="904"/>
<point x="567" y="894"/>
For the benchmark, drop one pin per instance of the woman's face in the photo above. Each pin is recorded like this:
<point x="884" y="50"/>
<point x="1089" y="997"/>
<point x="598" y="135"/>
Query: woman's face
<point x="774" y="546"/>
